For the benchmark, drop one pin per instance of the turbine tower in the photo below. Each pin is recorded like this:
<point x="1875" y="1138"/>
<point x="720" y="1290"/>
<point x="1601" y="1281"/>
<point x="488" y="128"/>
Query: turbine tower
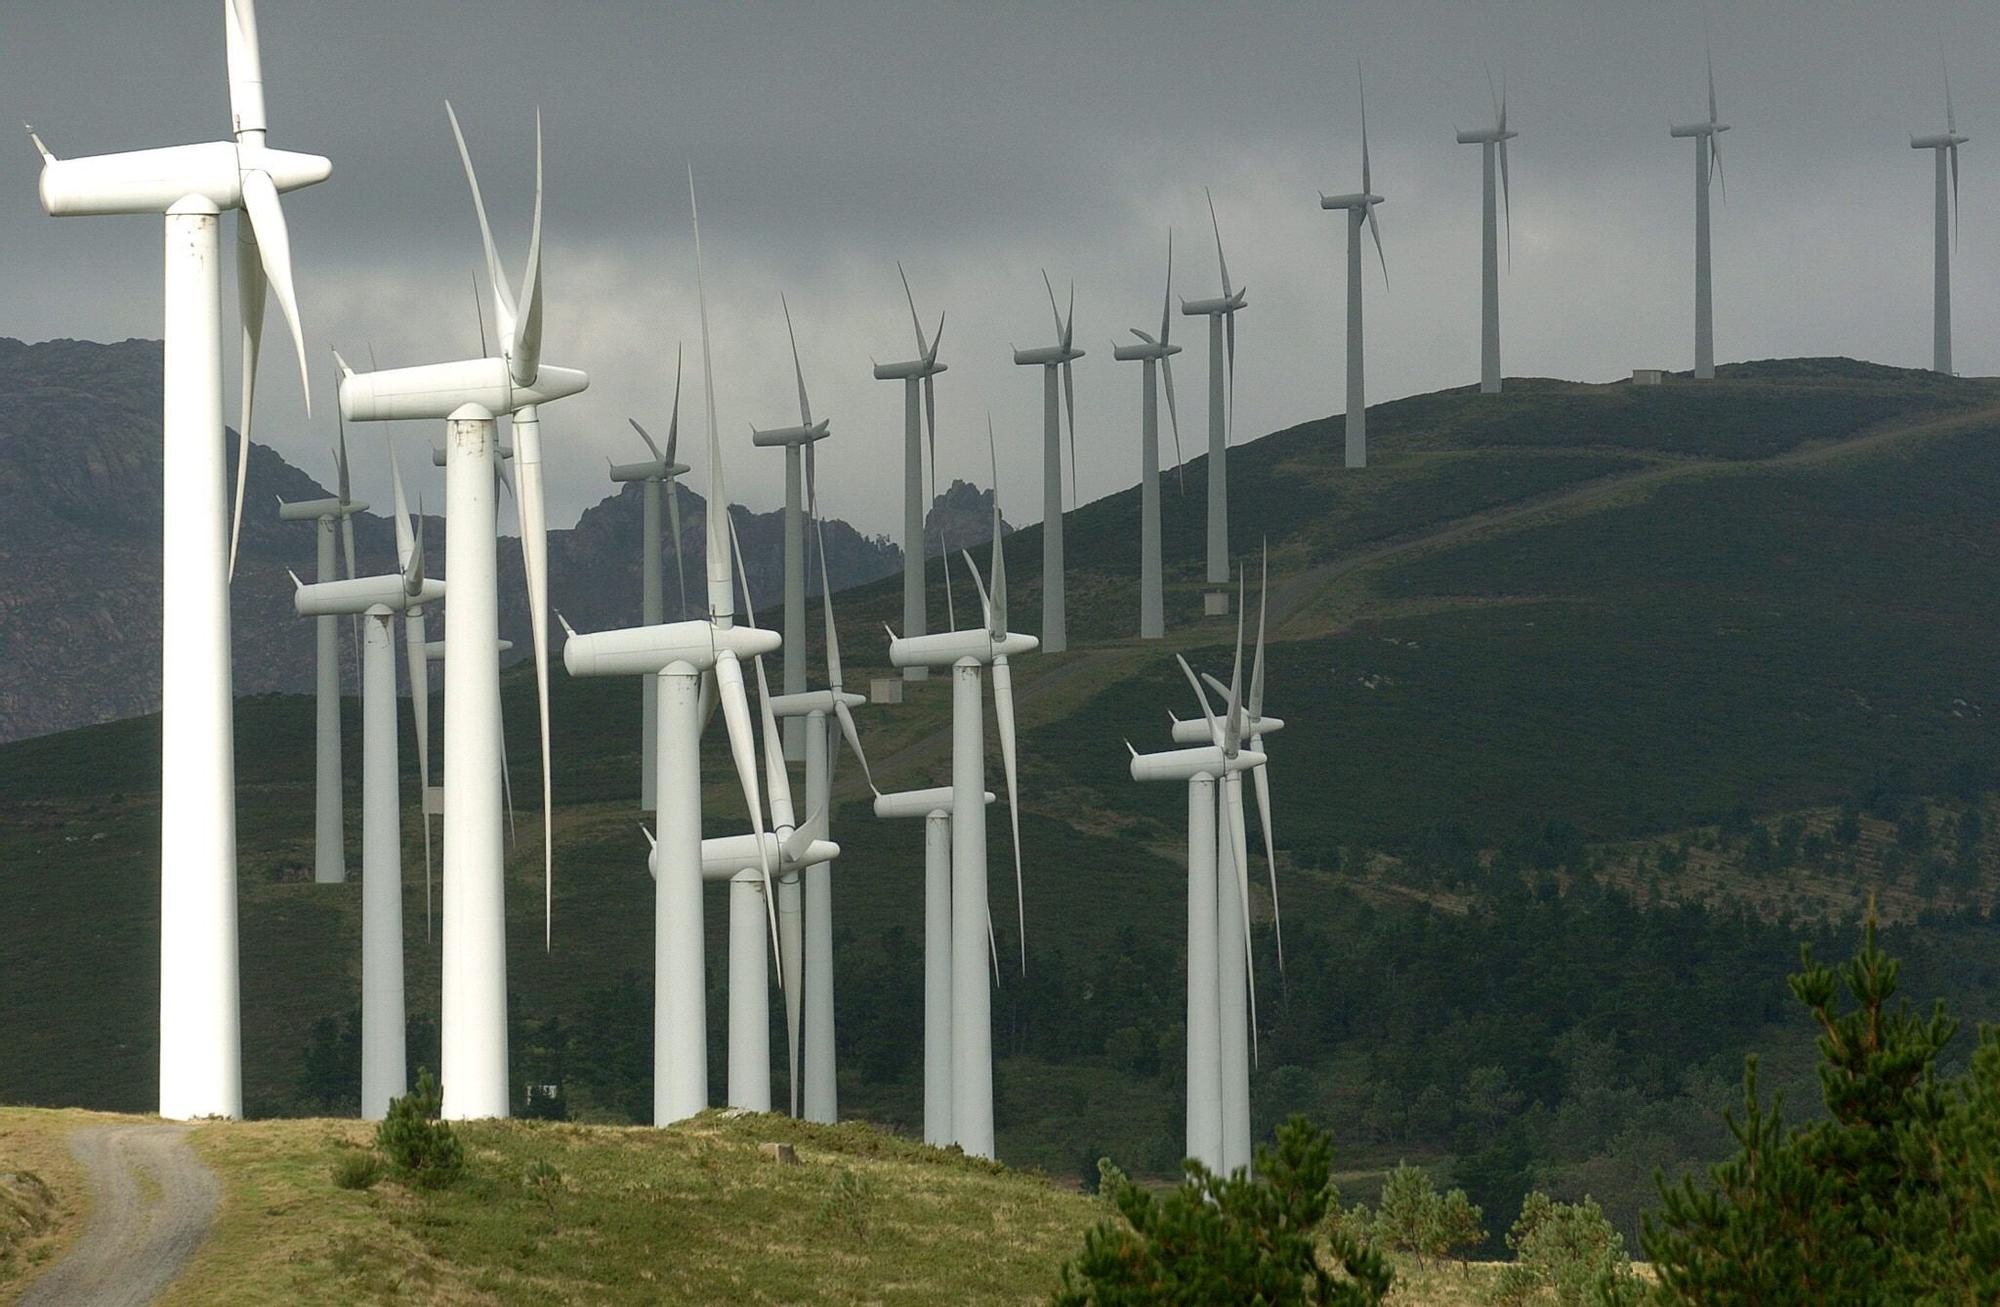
<point x="377" y="600"/>
<point x="797" y="442"/>
<point x="1221" y="314"/>
<point x="695" y="660"/>
<point x="808" y="953"/>
<point x="467" y="396"/>
<point x="922" y="369"/>
<point x="190" y="186"/>
<point x="1707" y="165"/>
<point x="1492" y="142"/>
<point x="1360" y="209"/>
<point x="1944" y="146"/>
<point x="328" y="515"/>
<point x="1157" y="354"/>
<point x="1051" y="359"/>
<point x="966" y="652"/>
<point x="658" y="474"/>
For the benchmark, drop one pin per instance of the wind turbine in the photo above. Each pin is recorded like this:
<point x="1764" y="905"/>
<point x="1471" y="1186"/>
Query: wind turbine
<point x="1060" y="356"/>
<point x="1360" y="208"/>
<point x="1205" y="770"/>
<point x="190" y="186"/>
<point x="467" y="395"/>
<point x="661" y="472"/>
<point x="1491" y="140"/>
<point x="689" y="657"/>
<point x="1157" y="354"/>
<point x="1944" y="146"/>
<point x="1707" y="164"/>
<point x="797" y="442"/>
<point x="966" y="652"/>
<point x="377" y="600"/>
<point x="809" y="1005"/>
<point x="329" y="852"/>
<point x="1221" y="314"/>
<point x="922" y="369"/>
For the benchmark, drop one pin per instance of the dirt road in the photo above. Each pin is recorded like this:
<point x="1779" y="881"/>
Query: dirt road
<point x="151" y="1204"/>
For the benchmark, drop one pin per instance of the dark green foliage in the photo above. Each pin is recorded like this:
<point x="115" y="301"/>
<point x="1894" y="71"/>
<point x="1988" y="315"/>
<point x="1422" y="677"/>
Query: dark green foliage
<point x="357" y="1170"/>
<point x="1225" y="1241"/>
<point x="1565" y="1251"/>
<point x="1413" y="1217"/>
<point x="1893" y="1198"/>
<point x="422" y="1148"/>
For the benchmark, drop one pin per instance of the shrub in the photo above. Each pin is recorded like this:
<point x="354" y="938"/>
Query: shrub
<point x="422" y="1148"/>
<point x="357" y="1170"/>
<point x="1892" y="1197"/>
<point x="1413" y="1217"/>
<point x="1229" y="1239"/>
<point x="1566" y="1252"/>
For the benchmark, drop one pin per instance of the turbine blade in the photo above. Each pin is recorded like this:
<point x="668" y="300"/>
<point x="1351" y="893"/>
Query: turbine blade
<point x="1507" y="204"/>
<point x="847" y="728"/>
<point x="1715" y="162"/>
<point x="1239" y="853"/>
<point x="503" y="301"/>
<point x="246" y="67"/>
<point x="674" y="524"/>
<point x="1174" y="419"/>
<point x="930" y="424"/>
<point x="1375" y="230"/>
<point x="420" y="723"/>
<point x="406" y="538"/>
<point x="1950" y="114"/>
<point x="674" y="422"/>
<point x="478" y="312"/>
<point x="1953" y="152"/>
<point x="721" y="588"/>
<point x="1003" y="712"/>
<point x="1712" y="117"/>
<point x="915" y="325"/>
<point x="1220" y="261"/>
<point x="805" y="409"/>
<point x="1257" y="664"/>
<point x="1069" y="399"/>
<point x="651" y="448"/>
<point x="1167" y="303"/>
<point x="524" y="351"/>
<point x="1263" y="784"/>
<point x="1367" y="176"/>
<point x="250" y="295"/>
<point x="985" y="601"/>
<point x="950" y="604"/>
<point x="998" y="626"/>
<point x="274" y="246"/>
<point x="1201" y="697"/>
<point x="1232" y="727"/>
<point x="528" y="508"/>
<point x="743" y="752"/>
<point x="1054" y="312"/>
<point x="1229" y="336"/>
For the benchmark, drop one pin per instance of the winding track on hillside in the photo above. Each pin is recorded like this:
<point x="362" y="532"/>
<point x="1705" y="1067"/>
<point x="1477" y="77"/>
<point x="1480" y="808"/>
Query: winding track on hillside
<point x="140" y="1233"/>
<point x="1295" y="592"/>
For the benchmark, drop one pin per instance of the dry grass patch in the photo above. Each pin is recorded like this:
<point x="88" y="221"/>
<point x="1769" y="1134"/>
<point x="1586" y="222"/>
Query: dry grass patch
<point x="43" y="1193"/>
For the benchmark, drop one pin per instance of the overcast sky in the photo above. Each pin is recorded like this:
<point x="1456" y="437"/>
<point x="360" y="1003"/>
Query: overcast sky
<point x="983" y="143"/>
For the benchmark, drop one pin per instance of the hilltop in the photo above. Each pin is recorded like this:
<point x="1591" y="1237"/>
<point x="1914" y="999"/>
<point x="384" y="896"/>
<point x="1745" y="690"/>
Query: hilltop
<point x="1564" y="666"/>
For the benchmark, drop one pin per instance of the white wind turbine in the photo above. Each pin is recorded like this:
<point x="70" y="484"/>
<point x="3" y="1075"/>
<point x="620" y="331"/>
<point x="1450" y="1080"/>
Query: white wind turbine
<point x="1944" y="146"/>
<point x="1360" y="209"/>
<point x="1491" y="140"/>
<point x="191" y="185"/>
<point x="797" y="442"/>
<point x="808" y="953"/>
<point x="329" y="851"/>
<point x="1707" y="164"/>
<point x="658" y="474"/>
<point x="966" y="652"/>
<point x="1059" y="357"/>
<point x="1221" y="314"/>
<point x="467" y="395"/>
<point x="1157" y="353"/>
<point x="921" y="369"/>
<point x="1206" y="771"/>
<point x="693" y="659"/>
<point x="377" y="600"/>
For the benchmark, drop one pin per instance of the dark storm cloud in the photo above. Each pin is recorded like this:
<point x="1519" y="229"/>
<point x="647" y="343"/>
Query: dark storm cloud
<point x="982" y="143"/>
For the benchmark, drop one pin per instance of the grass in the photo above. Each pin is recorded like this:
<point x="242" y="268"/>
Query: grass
<point x="34" y="1235"/>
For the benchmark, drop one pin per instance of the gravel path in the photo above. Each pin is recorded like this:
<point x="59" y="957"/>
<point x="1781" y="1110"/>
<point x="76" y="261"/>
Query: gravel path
<point x="151" y="1204"/>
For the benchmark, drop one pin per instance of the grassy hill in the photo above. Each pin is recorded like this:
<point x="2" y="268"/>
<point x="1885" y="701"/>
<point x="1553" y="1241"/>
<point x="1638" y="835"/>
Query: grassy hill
<point x="1556" y="656"/>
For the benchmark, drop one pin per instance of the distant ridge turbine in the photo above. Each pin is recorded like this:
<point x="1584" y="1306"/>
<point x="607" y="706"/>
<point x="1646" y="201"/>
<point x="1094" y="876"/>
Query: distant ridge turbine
<point x="1492" y="141"/>
<point x="1360" y="208"/>
<point x="1945" y="147"/>
<point x="1707" y="163"/>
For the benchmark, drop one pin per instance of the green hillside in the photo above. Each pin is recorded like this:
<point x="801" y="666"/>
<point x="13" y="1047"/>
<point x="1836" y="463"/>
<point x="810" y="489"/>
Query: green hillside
<point x="1565" y="666"/>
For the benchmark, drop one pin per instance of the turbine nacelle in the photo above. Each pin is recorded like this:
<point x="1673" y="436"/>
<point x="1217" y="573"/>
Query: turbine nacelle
<point x="363" y="594"/>
<point x="643" y="650"/>
<point x="1223" y="304"/>
<point x="154" y="181"/>
<point x="1939" y="141"/>
<point x="1697" y="129"/>
<point x="807" y="702"/>
<point x="797" y="434"/>
<point x="1186" y="764"/>
<point x="913" y="370"/>
<point x="657" y="469"/>
<point x="917" y="803"/>
<point x="1047" y="355"/>
<point x="1195" y="730"/>
<point x="435" y="391"/>
<point x="1486" y="136"/>
<point x="434" y="649"/>
<point x="311" y="510"/>
<point x="725" y="857"/>
<point x="946" y="648"/>
<point x="1354" y="200"/>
